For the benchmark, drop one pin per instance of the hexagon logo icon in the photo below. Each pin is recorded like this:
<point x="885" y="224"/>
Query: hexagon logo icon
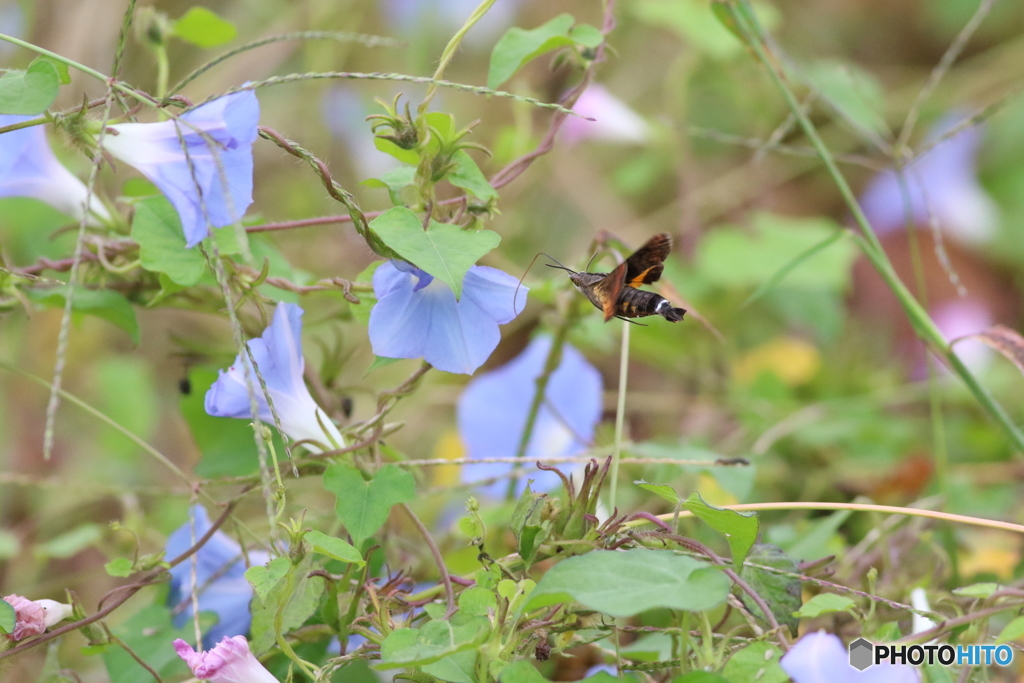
<point x="862" y="654"/>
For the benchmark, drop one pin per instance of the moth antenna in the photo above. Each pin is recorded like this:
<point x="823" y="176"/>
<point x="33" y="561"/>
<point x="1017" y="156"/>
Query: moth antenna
<point x="520" y="284"/>
<point x="591" y="261"/>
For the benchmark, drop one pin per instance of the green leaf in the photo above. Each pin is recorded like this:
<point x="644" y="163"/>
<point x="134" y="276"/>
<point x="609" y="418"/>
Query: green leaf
<point x="734" y="257"/>
<point x="30" y="92"/>
<point x="8" y="617"/>
<point x="852" y="92"/>
<point x="445" y="251"/>
<point x="1012" y="631"/>
<point x="660" y="490"/>
<point x="406" y="156"/>
<point x="521" y="671"/>
<point x="102" y="303"/>
<point x="121" y="567"/>
<point x="204" y="28"/>
<point x="292" y="607"/>
<point x="605" y="677"/>
<point x="977" y="590"/>
<point x="519" y="46"/>
<point x="476" y="601"/>
<point x="813" y="543"/>
<point x="457" y="668"/>
<point x="700" y="677"/>
<point x="63" y="72"/>
<point x="262" y="579"/>
<point x="157" y="228"/>
<point x="785" y="270"/>
<point x="622" y="584"/>
<point x="363" y="505"/>
<point x="436" y="639"/>
<point x="691" y="21"/>
<point x="825" y="603"/>
<point x="394" y="181"/>
<point x="781" y="592"/>
<point x="334" y="547"/>
<point x="739" y="528"/>
<point x="381" y="362"/>
<point x="757" y="662"/>
<point x="469" y="177"/>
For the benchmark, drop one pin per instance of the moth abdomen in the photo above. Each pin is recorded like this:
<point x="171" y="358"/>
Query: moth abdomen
<point x="639" y="303"/>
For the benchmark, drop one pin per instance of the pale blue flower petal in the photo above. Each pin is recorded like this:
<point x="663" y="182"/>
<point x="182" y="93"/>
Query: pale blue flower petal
<point x="417" y="316"/>
<point x="493" y="409"/>
<point x="278" y="355"/>
<point x="219" y="578"/>
<point x="822" y="658"/>
<point x="28" y="168"/>
<point x="212" y="184"/>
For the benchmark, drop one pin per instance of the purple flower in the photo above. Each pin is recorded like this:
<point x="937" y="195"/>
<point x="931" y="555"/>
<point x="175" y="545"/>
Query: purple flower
<point x="493" y="409"/>
<point x="212" y="185"/>
<point x="229" y="662"/>
<point x="28" y="168"/>
<point x="821" y="658"/>
<point x="417" y="315"/>
<point x="613" y="120"/>
<point x="943" y="182"/>
<point x="278" y="355"/>
<point x="219" y="578"/>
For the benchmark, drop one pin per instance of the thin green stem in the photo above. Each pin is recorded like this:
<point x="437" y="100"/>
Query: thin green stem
<point x="941" y="456"/>
<point x="163" y="70"/>
<point x="620" y="414"/>
<point x="365" y="39"/>
<point x="872" y="248"/>
<point x="113" y="83"/>
<point x="550" y="365"/>
<point x="450" y="49"/>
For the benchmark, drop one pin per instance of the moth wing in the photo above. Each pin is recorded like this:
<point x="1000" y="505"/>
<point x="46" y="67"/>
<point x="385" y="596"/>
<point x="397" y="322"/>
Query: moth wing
<point x="608" y="290"/>
<point x="645" y="266"/>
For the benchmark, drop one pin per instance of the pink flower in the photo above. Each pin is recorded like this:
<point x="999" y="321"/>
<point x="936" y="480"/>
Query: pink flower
<point x="613" y="120"/>
<point x="32" y="617"/>
<point x="228" y="662"/>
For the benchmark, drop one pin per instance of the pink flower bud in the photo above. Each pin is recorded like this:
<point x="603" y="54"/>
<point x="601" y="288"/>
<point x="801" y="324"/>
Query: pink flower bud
<point x="230" y="661"/>
<point x="30" y="617"/>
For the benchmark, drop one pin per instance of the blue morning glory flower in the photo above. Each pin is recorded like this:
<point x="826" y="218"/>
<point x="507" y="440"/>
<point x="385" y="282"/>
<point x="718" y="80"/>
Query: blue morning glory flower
<point x="219" y="579"/>
<point x="213" y="184"/>
<point x="492" y="413"/>
<point x="942" y="182"/>
<point x="417" y="316"/>
<point x="821" y="658"/>
<point x="28" y="168"/>
<point x="278" y="355"/>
